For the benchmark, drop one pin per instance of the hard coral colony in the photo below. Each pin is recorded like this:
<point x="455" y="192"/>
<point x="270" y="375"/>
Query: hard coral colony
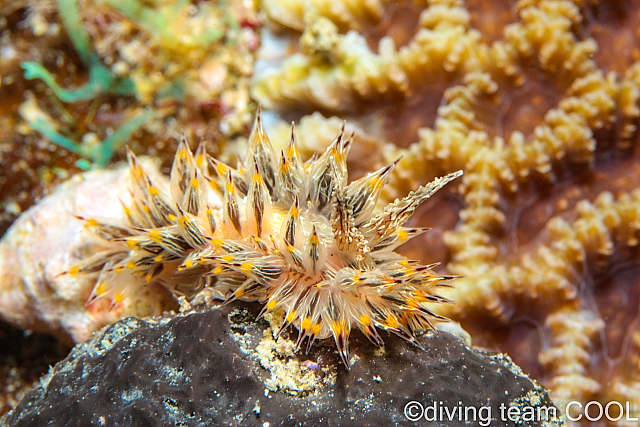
<point x="291" y="235"/>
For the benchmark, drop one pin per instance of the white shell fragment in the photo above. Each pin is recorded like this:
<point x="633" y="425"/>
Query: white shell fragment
<point x="47" y="240"/>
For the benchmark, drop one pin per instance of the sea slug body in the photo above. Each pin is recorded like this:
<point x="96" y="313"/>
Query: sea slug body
<point x="291" y="235"/>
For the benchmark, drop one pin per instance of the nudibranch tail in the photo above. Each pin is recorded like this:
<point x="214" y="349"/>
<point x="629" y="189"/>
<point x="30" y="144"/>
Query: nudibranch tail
<point x="293" y="235"/>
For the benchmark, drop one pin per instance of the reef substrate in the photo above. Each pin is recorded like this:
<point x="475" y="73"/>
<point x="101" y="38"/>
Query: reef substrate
<point x="220" y="367"/>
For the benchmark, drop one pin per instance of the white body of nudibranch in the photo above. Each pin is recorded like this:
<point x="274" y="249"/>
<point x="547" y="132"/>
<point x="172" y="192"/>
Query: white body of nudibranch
<point x="294" y="236"/>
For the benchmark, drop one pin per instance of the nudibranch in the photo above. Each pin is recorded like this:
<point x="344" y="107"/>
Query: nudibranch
<point x="292" y="235"/>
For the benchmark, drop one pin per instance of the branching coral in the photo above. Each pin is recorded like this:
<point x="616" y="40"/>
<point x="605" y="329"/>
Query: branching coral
<point x="354" y="76"/>
<point x="548" y="205"/>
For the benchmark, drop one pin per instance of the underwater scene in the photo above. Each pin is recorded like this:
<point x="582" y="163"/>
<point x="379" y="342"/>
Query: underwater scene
<point x="319" y="212"/>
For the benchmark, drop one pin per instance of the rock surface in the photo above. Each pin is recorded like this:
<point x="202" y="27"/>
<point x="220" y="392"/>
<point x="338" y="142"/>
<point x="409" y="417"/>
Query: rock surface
<point x="219" y="367"/>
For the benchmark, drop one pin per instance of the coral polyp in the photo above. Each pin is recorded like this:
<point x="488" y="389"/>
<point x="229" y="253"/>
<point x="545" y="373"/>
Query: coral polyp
<point x="294" y="236"/>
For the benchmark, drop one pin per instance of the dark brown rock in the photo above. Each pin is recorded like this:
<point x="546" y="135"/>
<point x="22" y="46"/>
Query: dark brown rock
<point x="202" y="369"/>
